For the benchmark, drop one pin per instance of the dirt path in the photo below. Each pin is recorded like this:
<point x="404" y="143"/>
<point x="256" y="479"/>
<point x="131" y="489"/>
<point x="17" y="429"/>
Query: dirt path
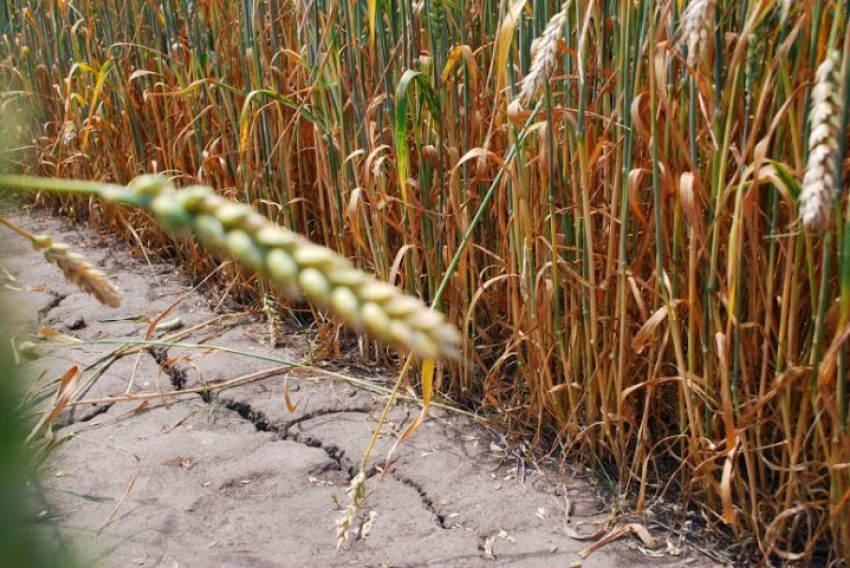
<point x="238" y="480"/>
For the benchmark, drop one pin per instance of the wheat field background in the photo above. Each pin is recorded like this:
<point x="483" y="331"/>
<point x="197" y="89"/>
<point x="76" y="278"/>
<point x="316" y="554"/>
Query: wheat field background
<point x="640" y="205"/>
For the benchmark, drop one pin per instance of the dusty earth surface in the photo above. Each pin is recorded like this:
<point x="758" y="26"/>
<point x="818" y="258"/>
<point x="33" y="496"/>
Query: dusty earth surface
<point x="239" y="478"/>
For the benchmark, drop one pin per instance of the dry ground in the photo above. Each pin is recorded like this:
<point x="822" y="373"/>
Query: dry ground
<point x="239" y="480"/>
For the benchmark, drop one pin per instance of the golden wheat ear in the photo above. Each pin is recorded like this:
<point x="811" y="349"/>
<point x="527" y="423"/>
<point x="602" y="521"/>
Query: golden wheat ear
<point x="356" y="493"/>
<point x="74" y="266"/>
<point x="274" y="323"/>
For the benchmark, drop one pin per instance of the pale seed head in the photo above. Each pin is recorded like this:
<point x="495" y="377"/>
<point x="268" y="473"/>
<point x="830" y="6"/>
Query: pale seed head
<point x="697" y="26"/>
<point x="818" y="194"/>
<point x="80" y="271"/>
<point x="545" y="50"/>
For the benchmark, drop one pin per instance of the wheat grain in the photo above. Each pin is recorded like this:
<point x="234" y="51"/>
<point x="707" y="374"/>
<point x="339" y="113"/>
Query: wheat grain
<point x="818" y="195"/>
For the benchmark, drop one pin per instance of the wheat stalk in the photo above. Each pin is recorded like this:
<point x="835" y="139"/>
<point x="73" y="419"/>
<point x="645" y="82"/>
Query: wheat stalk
<point x="818" y="195"/>
<point x="544" y="51"/>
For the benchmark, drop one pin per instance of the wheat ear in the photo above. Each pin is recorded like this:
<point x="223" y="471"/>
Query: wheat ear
<point x="74" y="266"/>
<point x="544" y="56"/>
<point x="273" y="320"/>
<point x="818" y="194"/>
<point x="356" y="496"/>
<point x="295" y="265"/>
<point x="697" y="26"/>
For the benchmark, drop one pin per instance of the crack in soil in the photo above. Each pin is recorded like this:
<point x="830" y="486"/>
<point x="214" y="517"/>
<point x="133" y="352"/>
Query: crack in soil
<point x="96" y="411"/>
<point x="55" y="299"/>
<point x="247" y="412"/>
<point x="334" y="452"/>
<point x="263" y="424"/>
<point x="176" y="374"/>
<point x="318" y="413"/>
<point x="427" y="501"/>
<point x="258" y="419"/>
<point x="69" y="417"/>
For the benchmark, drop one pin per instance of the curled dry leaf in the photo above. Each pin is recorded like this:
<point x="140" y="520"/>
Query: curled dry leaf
<point x="619" y="532"/>
<point x="689" y="201"/>
<point x="64" y="394"/>
<point x="644" y="334"/>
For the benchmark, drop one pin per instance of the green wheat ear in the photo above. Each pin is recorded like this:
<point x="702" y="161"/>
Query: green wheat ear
<point x="294" y="265"/>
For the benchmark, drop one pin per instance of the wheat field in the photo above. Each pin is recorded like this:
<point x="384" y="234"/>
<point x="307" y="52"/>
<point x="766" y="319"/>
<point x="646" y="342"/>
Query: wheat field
<point x="634" y="211"/>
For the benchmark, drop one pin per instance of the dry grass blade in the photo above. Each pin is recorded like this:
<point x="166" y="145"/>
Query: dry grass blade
<point x="618" y="533"/>
<point x="64" y="395"/>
